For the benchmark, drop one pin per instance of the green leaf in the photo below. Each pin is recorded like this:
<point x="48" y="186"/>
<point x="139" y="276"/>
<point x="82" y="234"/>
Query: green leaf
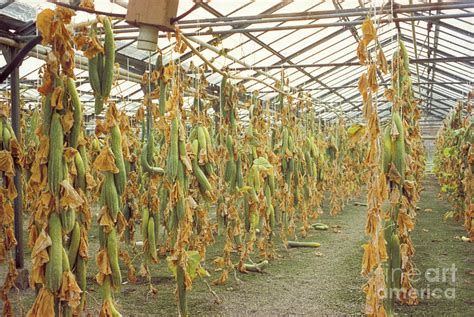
<point x="447" y="152"/>
<point x="262" y="164"/>
<point x="448" y="215"/>
<point x="172" y="264"/>
<point x="193" y="263"/>
<point x="193" y="266"/>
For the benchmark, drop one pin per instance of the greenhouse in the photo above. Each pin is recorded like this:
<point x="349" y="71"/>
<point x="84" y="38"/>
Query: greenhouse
<point x="236" y="158"/>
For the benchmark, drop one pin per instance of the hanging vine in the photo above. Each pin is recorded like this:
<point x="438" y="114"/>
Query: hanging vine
<point x="53" y="176"/>
<point x="10" y="156"/>
<point x="375" y="251"/>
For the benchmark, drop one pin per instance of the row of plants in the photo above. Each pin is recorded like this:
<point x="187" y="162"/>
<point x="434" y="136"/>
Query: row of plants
<point x="454" y="164"/>
<point x="396" y="158"/>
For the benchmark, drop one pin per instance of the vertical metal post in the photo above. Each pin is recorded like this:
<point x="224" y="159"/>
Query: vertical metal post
<point x="18" y="203"/>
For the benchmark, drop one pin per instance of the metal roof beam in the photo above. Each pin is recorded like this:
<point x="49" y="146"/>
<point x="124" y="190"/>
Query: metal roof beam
<point x="450" y="26"/>
<point x="433" y="50"/>
<point x="333" y="24"/>
<point x="445" y="54"/>
<point x="276" y="53"/>
<point x="244" y="25"/>
<point x="438" y="83"/>
<point x="344" y="64"/>
<point x="321" y="14"/>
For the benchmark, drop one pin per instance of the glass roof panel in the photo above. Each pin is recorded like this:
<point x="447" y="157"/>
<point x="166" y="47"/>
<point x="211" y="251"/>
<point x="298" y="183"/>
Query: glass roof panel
<point x="335" y="45"/>
<point x="253" y="7"/>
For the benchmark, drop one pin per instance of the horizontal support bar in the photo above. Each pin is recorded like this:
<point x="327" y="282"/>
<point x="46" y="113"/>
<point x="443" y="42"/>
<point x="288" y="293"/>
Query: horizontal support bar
<point x="323" y="13"/>
<point x="441" y="83"/>
<point x="316" y="15"/>
<point x="325" y="25"/>
<point x="412" y="61"/>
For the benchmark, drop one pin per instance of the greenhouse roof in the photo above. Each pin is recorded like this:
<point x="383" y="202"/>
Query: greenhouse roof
<point x="313" y="42"/>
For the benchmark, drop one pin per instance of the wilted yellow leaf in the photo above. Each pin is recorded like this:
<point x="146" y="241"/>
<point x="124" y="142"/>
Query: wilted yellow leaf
<point x="89" y="4"/>
<point x="382" y="61"/>
<point x="70" y="291"/>
<point x="57" y="98"/>
<point x="6" y="163"/>
<point x="39" y="257"/>
<point x="65" y="14"/>
<point x="140" y="115"/>
<point x="67" y="121"/>
<point x="389" y="94"/>
<point x="363" y="87"/>
<point x="362" y="52"/>
<point x="69" y="196"/>
<point x="222" y="279"/>
<point x="105" y="161"/>
<point x="103" y="264"/>
<point x="369" y="259"/>
<point x="44" y="24"/>
<point x="372" y="78"/>
<point x="368" y="31"/>
<point x="168" y="72"/>
<point x="94" y="47"/>
<point x="43" y="305"/>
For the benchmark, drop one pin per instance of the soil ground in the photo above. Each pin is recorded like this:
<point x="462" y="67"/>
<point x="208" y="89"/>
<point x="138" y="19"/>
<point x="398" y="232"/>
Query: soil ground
<point x="323" y="281"/>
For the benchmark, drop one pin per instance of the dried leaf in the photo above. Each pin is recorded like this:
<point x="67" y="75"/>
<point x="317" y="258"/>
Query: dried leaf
<point x="405" y="222"/>
<point x="100" y="127"/>
<point x="94" y="47"/>
<point x="80" y="40"/>
<point x="57" y="98"/>
<point x="43" y="305"/>
<point x="219" y="262"/>
<point x="70" y="291"/>
<point x="105" y="220"/>
<point x="84" y="244"/>
<point x="67" y="121"/>
<point x="88" y="4"/>
<point x="39" y="257"/>
<point x="6" y="213"/>
<point x="362" y="52"/>
<point x="47" y="83"/>
<point x="65" y="14"/>
<point x="69" y="196"/>
<point x="382" y="61"/>
<point x="44" y="24"/>
<point x="222" y="279"/>
<point x="168" y="73"/>
<point x="6" y="163"/>
<point x="121" y="223"/>
<point x="372" y="78"/>
<point x="140" y="115"/>
<point x="369" y="260"/>
<point x="363" y="86"/>
<point x="103" y="264"/>
<point x="389" y="94"/>
<point x="368" y="31"/>
<point x="105" y="161"/>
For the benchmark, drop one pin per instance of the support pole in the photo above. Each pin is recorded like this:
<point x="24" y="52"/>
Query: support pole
<point x="18" y="203"/>
<point x="9" y="53"/>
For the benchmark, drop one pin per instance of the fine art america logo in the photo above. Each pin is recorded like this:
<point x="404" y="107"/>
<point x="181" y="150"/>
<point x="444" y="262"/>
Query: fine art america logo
<point x="432" y="289"/>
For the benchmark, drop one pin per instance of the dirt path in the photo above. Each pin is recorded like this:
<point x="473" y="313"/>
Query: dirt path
<point x="305" y="281"/>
